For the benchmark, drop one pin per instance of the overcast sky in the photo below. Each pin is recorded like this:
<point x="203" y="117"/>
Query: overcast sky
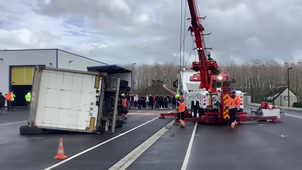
<point x="147" y="31"/>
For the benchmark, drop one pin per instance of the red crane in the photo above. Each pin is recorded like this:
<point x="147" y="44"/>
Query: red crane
<point x="206" y="65"/>
<point x="208" y="73"/>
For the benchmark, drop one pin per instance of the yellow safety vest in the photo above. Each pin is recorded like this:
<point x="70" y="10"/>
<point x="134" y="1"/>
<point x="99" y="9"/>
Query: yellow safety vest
<point x="28" y="97"/>
<point x="13" y="97"/>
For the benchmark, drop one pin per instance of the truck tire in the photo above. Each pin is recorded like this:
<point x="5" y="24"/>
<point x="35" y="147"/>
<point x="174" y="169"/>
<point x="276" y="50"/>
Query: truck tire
<point x="119" y="123"/>
<point x="26" y="130"/>
<point x="200" y="111"/>
<point x="123" y="84"/>
<point x="193" y="109"/>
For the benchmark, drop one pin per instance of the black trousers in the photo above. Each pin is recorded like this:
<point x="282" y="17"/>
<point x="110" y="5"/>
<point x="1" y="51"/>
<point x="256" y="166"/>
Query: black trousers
<point x="9" y="105"/>
<point x="125" y="110"/>
<point x="233" y="113"/>
<point x="181" y="115"/>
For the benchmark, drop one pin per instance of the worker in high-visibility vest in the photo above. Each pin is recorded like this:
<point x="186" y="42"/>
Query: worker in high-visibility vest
<point x="124" y="105"/>
<point x="13" y="100"/>
<point x="8" y="98"/>
<point x="28" y="98"/>
<point x="181" y="112"/>
<point x="177" y="97"/>
<point x="233" y="105"/>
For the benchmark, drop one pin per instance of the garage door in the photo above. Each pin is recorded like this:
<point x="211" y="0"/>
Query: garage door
<point x="22" y="75"/>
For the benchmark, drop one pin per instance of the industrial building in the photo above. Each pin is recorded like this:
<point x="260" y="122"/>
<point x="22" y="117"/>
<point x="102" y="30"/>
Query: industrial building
<point x="17" y="67"/>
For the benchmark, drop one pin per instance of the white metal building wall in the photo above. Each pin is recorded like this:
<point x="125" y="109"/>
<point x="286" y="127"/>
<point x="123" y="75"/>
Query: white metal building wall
<point x="49" y="57"/>
<point x="75" y="62"/>
<point x="22" y="58"/>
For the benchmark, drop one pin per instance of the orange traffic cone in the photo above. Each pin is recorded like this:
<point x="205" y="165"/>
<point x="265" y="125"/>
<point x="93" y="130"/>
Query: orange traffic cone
<point x="60" y="154"/>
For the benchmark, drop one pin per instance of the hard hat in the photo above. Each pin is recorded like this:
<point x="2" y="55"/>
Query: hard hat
<point x="123" y="95"/>
<point x="177" y="95"/>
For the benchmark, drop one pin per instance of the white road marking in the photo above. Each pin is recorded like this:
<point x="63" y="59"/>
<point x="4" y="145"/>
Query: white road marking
<point x="12" y="123"/>
<point x="4" y="142"/>
<point x="299" y="117"/>
<point x="138" y="151"/>
<point x="188" y="153"/>
<point x="100" y="144"/>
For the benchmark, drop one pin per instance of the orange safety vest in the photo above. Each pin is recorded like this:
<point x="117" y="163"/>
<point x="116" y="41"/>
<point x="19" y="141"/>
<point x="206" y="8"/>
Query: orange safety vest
<point x="124" y="102"/>
<point x="233" y="102"/>
<point x="181" y="107"/>
<point x="8" y="96"/>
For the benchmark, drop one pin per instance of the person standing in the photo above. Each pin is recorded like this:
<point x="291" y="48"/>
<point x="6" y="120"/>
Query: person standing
<point x="136" y="98"/>
<point x="233" y="105"/>
<point x="2" y="102"/>
<point x="28" y="98"/>
<point x="181" y="112"/>
<point x="151" y="101"/>
<point x="13" y="96"/>
<point x="8" y="98"/>
<point x="147" y="102"/>
<point x="124" y="105"/>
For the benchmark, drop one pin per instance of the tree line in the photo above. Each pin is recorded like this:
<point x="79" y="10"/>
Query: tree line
<point x="256" y="77"/>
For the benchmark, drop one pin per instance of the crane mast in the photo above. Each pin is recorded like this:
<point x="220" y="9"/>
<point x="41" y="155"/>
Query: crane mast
<point x="205" y="65"/>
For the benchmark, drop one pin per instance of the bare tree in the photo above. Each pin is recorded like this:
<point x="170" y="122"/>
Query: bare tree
<point x="261" y="77"/>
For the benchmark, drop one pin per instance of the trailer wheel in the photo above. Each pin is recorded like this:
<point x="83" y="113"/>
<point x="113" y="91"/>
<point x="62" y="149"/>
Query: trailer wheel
<point x="119" y="123"/>
<point x="26" y="130"/>
<point x="193" y="109"/>
<point x="200" y="111"/>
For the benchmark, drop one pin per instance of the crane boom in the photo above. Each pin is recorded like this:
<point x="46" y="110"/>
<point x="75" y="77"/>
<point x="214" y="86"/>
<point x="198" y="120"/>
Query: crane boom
<point x="209" y="103"/>
<point x="205" y="65"/>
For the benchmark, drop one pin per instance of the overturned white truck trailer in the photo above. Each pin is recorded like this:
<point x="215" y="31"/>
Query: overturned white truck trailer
<point x="79" y="101"/>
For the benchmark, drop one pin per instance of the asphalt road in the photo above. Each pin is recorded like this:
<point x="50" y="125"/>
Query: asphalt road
<point x="37" y="152"/>
<point x="254" y="145"/>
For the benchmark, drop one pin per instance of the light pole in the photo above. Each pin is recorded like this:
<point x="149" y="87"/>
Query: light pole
<point x="288" y="86"/>
<point x="132" y="78"/>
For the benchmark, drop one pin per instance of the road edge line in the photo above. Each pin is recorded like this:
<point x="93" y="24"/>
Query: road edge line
<point x="100" y="144"/>
<point x="290" y="115"/>
<point x="138" y="151"/>
<point x="188" y="153"/>
<point x="12" y="123"/>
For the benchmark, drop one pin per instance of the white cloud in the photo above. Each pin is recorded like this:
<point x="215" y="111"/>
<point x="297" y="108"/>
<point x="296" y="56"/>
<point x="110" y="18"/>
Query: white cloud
<point x="147" y="31"/>
<point x="254" y="42"/>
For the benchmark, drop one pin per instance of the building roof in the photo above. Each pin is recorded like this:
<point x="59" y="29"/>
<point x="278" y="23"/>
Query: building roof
<point x="54" y="49"/>
<point x="276" y="92"/>
<point x="110" y="69"/>
<point x="157" y="88"/>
